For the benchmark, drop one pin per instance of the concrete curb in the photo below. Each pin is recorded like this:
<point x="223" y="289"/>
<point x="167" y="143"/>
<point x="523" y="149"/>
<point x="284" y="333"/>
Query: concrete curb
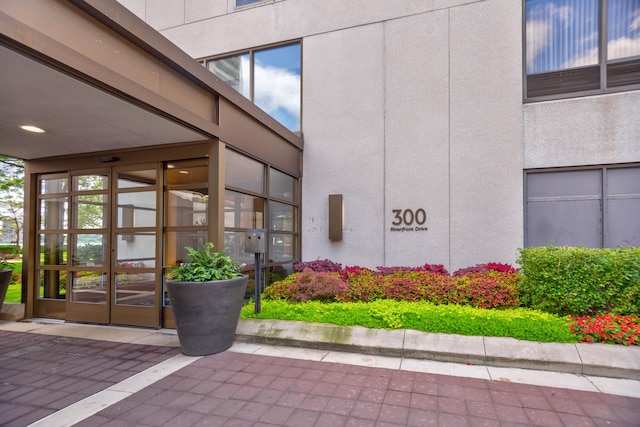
<point x="604" y="360"/>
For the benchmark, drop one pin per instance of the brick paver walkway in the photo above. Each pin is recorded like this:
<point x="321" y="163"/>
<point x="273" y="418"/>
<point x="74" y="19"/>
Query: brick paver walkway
<point x="233" y="389"/>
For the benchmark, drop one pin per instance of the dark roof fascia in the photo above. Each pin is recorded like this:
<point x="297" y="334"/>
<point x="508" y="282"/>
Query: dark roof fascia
<point x="123" y="22"/>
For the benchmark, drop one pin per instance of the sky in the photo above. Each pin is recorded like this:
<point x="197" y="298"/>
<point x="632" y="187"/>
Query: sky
<point x="564" y="33"/>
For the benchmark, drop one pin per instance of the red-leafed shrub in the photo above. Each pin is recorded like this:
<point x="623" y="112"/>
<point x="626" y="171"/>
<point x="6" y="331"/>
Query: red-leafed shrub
<point x="607" y="329"/>
<point x="319" y="266"/>
<point x="363" y="285"/>
<point x="284" y="289"/>
<point x="480" y="268"/>
<point x="434" y="268"/>
<point x="488" y="289"/>
<point x="355" y="270"/>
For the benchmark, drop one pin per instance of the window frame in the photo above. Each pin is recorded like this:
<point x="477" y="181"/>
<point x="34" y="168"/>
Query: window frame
<point x="251" y="52"/>
<point x="602" y="68"/>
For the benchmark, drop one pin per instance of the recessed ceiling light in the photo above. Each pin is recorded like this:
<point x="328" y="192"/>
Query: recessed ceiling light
<point x="33" y="129"/>
<point x="184" y="172"/>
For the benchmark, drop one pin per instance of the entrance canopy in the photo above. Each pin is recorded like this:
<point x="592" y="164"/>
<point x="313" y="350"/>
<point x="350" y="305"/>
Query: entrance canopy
<point x="96" y="78"/>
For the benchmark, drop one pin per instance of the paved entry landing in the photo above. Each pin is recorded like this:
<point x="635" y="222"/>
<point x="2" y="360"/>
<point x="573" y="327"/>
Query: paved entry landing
<point x="51" y="380"/>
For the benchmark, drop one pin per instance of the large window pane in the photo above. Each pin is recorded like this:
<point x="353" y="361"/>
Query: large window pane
<point x="90" y="250"/>
<point x="54" y="213"/>
<point x="282" y="186"/>
<point x="281" y="247"/>
<point x="138" y="252"/>
<point x="136" y="289"/>
<point x="90" y="182"/>
<point x="53" y="249"/>
<point x="235" y="71"/>
<point x="243" y="172"/>
<point x="282" y="217"/>
<point x="234" y="242"/>
<point x="277" y="83"/>
<point x="53" y="185"/>
<point x="623" y="38"/>
<point x="561" y="34"/>
<point x="52" y="284"/>
<point x="137" y="209"/>
<point x="89" y="287"/>
<point x="242" y="210"/>
<point x="186" y="207"/>
<point x="137" y="178"/>
<point x="90" y="211"/>
<point x="176" y="242"/>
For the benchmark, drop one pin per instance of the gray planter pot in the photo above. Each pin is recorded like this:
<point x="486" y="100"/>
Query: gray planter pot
<point x="5" y="279"/>
<point x="206" y="313"/>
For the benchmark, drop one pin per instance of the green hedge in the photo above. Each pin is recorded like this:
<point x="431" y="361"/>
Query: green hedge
<point x="580" y="281"/>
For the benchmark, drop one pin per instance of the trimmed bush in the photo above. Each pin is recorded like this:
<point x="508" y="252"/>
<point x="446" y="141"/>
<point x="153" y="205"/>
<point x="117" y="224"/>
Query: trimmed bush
<point x="581" y="281"/>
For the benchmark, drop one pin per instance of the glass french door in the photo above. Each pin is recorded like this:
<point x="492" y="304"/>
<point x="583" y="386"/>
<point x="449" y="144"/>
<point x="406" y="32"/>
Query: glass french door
<point x="99" y="245"/>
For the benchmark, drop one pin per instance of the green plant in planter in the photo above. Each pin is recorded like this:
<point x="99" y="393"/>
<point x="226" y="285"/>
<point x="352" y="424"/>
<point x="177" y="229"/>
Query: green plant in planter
<point x="4" y="264"/>
<point x="205" y="265"/>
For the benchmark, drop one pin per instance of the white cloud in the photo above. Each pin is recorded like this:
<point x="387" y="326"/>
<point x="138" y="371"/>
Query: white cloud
<point x="537" y="40"/>
<point x="277" y="88"/>
<point x="623" y="47"/>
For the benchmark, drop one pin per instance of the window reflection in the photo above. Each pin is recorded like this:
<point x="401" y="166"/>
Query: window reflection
<point x="273" y="73"/>
<point x="89" y="287"/>
<point x="282" y="186"/>
<point x="242" y="210"/>
<point x="282" y="217"/>
<point x="243" y="172"/>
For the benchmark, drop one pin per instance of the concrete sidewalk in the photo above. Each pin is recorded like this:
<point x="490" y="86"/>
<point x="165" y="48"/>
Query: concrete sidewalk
<point x="604" y="360"/>
<point x="63" y="374"/>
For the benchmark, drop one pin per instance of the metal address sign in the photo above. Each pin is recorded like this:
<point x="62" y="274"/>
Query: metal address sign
<point x="404" y="220"/>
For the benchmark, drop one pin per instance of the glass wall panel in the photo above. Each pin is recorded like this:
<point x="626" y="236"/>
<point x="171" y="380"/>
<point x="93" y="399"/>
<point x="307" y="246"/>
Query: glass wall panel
<point x="90" y="250"/>
<point x="52" y="284"/>
<point x="54" y="213"/>
<point x="234" y="70"/>
<point x="176" y="241"/>
<point x="89" y="287"/>
<point x="276" y="87"/>
<point x="281" y="247"/>
<point x="186" y="207"/>
<point x="90" y="182"/>
<point x="282" y="217"/>
<point x="283" y="186"/>
<point x="187" y="173"/>
<point x="560" y="34"/>
<point x="53" y="185"/>
<point x="135" y="289"/>
<point x="623" y="38"/>
<point x="135" y="179"/>
<point x="136" y="250"/>
<point x="242" y="210"/>
<point x="53" y="249"/>
<point x="243" y="172"/>
<point x="234" y="241"/>
<point x="90" y="211"/>
<point x="136" y="209"/>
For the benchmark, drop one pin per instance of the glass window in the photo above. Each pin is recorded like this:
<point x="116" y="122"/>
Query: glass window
<point x="137" y="209"/>
<point x="91" y="211"/>
<point x="282" y="186"/>
<point x="90" y="182"/>
<point x="52" y="185"/>
<point x="52" y="284"/>
<point x="568" y="42"/>
<point x="177" y="241"/>
<point x="277" y="83"/>
<point x="136" y="178"/>
<point x="270" y="77"/>
<point x="235" y="71"/>
<point x="243" y="172"/>
<point x="282" y="217"/>
<point x="90" y="250"/>
<point x="89" y="287"/>
<point x="137" y="289"/>
<point x="282" y="247"/>
<point x="53" y="249"/>
<point x="246" y="2"/>
<point x="242" y="210"/>
<point x="623" y="35"/>
<point x="54" y="213"/>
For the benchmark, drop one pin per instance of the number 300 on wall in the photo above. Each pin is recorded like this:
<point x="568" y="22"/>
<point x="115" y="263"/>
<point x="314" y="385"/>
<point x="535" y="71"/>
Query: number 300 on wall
<point x="409" y="216"/>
